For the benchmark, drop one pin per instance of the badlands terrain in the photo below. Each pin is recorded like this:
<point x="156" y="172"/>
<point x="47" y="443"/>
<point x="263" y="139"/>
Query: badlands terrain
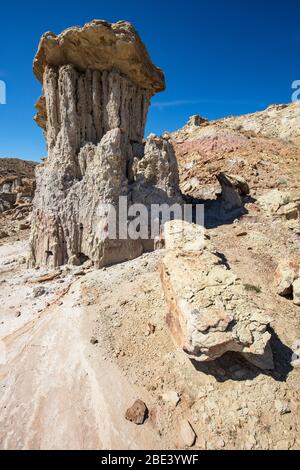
<point x="79" y="345"/>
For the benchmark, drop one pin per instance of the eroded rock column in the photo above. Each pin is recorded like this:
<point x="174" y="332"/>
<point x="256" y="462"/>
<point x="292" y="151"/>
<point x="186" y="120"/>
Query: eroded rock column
<point x="93" y="113"/>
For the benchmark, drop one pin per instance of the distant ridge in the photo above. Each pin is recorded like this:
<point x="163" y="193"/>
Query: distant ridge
<point x="17" y="167"/>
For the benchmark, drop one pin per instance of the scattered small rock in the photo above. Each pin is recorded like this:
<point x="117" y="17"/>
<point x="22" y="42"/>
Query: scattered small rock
<point x="79" y="272"/>
<point x="137" y="413"/>
<point x="24" y="225"/>
<point x="241" y="234"/>
<point x="171" y="397"/>
<point x="93" y="340"/>
<point x="202" y="394"/>
<point x="3" y="234"/>
<point x="47" y="277"/>
<point x="39" y="291"/>
<point x="295" y="362"/>
<point x="187" y="433"/>
<point x="282" y="407"/>
<point x="150" y="330"/>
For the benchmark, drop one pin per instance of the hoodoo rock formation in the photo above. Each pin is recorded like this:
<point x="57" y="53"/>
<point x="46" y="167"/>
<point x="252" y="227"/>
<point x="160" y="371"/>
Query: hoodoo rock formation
<point x="97" y="82"/>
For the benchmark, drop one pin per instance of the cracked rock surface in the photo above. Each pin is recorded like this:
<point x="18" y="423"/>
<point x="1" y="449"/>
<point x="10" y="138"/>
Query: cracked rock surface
<point x="209" y="310"/>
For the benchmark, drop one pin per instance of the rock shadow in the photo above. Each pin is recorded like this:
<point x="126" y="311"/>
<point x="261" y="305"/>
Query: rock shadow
<point x="232" y="366"/>
<point x="223" y="259"/>
<point x="214" y="213"/>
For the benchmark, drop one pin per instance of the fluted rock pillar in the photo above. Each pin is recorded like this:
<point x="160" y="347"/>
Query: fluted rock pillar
<point x="97" y="82"/>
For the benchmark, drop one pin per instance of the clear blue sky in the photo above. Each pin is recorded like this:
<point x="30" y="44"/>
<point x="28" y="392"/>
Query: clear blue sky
<point x="220" y="57"/>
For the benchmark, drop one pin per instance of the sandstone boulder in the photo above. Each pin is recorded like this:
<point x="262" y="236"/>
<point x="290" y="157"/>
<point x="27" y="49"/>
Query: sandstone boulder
<point x="280" y="203"/>
<point x="290" y="211"/>
<point x="209" y="310"/>
<point x="184" y="237"/>
<point x="287" y="279"/>
<point x="171" y="397"/>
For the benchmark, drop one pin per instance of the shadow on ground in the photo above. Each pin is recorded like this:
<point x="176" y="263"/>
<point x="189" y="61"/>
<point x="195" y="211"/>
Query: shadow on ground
<point x="232" y="366"/>
<point x="214" y="213"/>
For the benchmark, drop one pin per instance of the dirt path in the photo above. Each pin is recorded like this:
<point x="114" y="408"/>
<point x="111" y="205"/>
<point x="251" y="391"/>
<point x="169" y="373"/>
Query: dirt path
<point x="57" y="392"/>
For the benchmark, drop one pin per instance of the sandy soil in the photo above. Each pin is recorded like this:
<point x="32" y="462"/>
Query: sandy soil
<point x="59" y="391"/>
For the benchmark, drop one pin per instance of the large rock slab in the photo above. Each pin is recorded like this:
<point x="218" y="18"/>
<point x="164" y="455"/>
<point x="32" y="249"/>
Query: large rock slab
<point x="209" y="310"/>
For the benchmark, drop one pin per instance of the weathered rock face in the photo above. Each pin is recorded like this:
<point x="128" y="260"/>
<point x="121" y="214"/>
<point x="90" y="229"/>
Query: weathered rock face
<point x="97" y="81"/>
<point x="82" y="106"/>
<point x="234" y="187"/>
<point x="209" y="311"/>
<point x="155" y="173"/>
